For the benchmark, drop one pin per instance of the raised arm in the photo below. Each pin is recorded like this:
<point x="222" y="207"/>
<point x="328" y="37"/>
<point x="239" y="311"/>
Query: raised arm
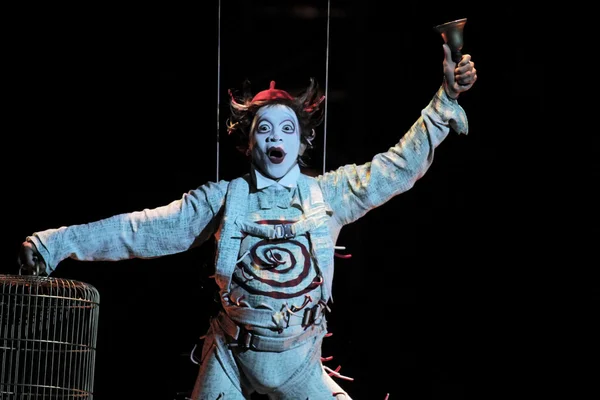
<point x="353" y="190"/>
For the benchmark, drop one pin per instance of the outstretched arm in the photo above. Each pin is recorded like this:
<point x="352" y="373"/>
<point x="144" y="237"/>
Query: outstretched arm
<point x="150" y="233"/>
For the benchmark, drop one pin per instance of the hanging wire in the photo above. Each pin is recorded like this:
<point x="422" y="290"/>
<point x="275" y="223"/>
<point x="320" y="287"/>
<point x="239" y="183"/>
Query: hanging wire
<point x="218" y="84"/>
<point x="336" y="254"/>
<point x="326" y="87"/>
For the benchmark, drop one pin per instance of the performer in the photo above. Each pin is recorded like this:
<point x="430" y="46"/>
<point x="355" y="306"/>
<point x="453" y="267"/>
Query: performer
<point x="275" y="229"/>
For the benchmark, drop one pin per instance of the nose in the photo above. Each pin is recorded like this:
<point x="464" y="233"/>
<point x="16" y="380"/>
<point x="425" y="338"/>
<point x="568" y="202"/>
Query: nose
<point x="274" y="137"/>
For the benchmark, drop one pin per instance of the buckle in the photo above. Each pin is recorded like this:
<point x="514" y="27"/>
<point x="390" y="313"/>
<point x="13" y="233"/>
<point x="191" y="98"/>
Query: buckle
<point x="312" y="316"/>
<point x="283" y="231"/>
<point x="244" y="340"/>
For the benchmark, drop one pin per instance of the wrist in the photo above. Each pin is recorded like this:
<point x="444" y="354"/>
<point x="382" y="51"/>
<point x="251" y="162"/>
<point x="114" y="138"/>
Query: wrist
<point x="449" y="92"/>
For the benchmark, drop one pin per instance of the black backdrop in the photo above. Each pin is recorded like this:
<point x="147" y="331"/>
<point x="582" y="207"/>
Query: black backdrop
<point x="114" y="109"/>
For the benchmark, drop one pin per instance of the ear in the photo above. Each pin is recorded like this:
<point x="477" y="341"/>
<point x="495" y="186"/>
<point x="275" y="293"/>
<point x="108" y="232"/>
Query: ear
<point x="302" y="148"/>
<point x="305" y="142"/>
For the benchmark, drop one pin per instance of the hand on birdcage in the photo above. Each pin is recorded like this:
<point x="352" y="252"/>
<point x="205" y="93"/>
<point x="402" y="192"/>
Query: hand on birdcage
<point x="30" y="261"/>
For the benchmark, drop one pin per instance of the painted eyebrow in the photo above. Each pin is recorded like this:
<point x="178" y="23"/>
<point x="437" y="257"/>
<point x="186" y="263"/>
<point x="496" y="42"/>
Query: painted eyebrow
<point x="261" y="120"/>
<point x="290" y="120"/>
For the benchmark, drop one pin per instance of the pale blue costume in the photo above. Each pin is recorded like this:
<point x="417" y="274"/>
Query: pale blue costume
<point x="274" y="264"/>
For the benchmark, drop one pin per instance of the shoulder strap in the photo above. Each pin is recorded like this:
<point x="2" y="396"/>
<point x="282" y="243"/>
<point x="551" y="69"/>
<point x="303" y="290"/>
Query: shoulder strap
<point x="320" y="236"/>
<point x="229" y="234"/>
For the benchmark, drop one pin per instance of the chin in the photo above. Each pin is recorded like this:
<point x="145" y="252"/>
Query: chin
<point x="275" y="176"/>
<point x="277" y="171"/>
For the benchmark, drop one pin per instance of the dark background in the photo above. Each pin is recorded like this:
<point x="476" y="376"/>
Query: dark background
<point x="114" y="109"/>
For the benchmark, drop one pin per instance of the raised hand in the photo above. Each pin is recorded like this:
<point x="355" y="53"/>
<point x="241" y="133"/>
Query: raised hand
<point x="459" y="77"/>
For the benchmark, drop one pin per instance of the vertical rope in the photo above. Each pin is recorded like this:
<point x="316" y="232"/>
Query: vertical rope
<point x="326" y="87"/>
<point x="218" y="83"/>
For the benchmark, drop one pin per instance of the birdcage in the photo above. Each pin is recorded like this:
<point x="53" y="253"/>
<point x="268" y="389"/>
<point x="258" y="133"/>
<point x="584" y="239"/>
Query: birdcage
<point x="48" y="332"/>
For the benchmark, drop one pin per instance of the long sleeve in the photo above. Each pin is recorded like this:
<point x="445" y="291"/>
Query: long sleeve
<point x="150" y="233"/>
<point x="353" y="190"/>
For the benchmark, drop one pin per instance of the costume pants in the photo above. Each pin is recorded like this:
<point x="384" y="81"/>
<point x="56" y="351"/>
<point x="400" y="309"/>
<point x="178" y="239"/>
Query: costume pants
<point x="222" y="376"/>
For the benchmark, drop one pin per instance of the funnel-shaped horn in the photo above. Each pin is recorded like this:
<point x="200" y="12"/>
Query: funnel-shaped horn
<point x="452" y="33"/>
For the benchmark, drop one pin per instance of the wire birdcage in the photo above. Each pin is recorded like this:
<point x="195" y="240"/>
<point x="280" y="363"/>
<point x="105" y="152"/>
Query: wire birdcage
<point x="48" y="332"/>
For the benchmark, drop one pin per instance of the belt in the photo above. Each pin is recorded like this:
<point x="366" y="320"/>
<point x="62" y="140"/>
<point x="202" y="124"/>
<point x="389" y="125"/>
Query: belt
<point x="242" y="338"/>
<point x="264" y="317"/>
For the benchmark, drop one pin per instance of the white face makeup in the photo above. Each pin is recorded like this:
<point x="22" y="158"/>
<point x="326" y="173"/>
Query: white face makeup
<point x="275" y="140"/>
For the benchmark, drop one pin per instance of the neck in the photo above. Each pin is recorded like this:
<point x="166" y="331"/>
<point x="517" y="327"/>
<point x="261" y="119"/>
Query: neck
<point x="262" y="171"/>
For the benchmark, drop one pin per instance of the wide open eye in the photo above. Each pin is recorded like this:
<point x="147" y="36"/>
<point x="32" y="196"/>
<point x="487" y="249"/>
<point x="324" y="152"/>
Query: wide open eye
<point x="288" y="128"/>
<point x="263" y="127"/>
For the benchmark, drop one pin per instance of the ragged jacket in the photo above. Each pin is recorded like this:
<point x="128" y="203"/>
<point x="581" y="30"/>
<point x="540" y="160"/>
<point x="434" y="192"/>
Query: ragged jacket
<point x="331" y="200"/>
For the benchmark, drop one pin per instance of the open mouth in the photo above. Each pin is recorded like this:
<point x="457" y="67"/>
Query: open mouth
<point x="276" y="155"/>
